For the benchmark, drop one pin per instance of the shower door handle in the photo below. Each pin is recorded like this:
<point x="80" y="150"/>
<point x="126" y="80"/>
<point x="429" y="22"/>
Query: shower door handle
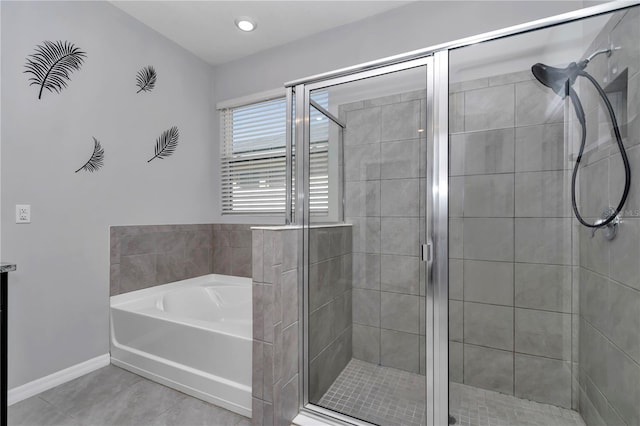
<point x="426" y="252"/>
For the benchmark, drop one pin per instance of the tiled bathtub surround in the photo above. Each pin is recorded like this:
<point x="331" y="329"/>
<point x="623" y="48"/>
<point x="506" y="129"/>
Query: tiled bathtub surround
<point x="330" y="306"/>
<point x="510" y="247"/>
<point x="232" y="250"/>
<point x="609" y="274"/>
<point x="149" y="255"/>
<point x="384" y="179"/>
<point x="276" y="325"/>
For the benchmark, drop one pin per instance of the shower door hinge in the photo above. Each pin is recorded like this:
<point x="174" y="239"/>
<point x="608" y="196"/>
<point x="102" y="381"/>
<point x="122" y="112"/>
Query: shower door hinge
<point x="425" y="252"/>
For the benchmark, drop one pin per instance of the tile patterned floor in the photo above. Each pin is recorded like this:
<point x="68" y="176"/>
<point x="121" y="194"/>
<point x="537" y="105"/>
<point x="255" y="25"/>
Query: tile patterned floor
<point x="390" y="397"/>
<point x="113" y="396"/>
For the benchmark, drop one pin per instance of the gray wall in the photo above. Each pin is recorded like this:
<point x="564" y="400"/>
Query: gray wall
<point x="510" y="282"/>
<point x="384" y="181"/>
<point x="60" y="295"/>
<point x="610" y="270"/>
<point x="417" y="25"/>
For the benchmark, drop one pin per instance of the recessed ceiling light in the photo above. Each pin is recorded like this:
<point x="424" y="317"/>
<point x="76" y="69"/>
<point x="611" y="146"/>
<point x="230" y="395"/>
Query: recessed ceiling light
<point x="246" y="24"/>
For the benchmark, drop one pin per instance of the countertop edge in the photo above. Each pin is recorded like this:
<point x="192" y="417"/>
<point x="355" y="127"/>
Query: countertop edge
<point x="7" y="267"/>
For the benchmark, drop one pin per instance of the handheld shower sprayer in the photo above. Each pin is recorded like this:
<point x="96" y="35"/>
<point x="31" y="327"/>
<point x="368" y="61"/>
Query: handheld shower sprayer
<point x="561" y="81"/>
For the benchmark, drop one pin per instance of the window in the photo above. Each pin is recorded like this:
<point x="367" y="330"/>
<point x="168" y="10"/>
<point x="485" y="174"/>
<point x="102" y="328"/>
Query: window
<point x="253" y="158"/>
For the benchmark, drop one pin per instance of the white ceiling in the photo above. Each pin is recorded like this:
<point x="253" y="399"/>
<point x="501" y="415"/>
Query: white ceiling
<point x="207" y="29"/>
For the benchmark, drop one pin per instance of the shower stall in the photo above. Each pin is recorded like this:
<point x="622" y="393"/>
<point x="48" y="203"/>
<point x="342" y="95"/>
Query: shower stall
<point x="470" y="245"/>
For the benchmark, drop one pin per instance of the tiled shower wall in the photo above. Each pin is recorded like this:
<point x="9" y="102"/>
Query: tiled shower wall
<point x="330" y="306"/>
<point x="149" y="255"/>
<point x="510" y="240"/>
<point x="384" y="179"/>
<point x="609" y="373"/>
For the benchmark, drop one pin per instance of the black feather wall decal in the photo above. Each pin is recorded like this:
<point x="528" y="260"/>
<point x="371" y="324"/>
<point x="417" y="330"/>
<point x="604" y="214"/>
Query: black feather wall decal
<point x="52" y="64"/>
<point x="166" y="144"/>
<point x="97" y="158"/>
<point x="146" y="79"/>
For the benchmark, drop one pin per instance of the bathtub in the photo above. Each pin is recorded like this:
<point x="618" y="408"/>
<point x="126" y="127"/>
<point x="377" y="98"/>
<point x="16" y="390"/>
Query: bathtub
<point x="192" y="335"/>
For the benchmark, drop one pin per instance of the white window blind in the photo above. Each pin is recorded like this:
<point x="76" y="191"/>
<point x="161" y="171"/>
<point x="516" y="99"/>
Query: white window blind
<point x="253" y="161"/>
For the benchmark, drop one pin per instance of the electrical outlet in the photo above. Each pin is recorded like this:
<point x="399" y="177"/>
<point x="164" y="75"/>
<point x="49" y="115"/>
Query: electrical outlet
<point x="23" y="213"/>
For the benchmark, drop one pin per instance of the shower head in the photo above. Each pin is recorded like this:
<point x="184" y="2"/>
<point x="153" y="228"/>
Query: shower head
<point x="558" y="79"/>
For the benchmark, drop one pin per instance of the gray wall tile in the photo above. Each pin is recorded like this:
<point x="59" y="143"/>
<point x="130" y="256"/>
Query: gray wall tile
<point x="543" y="240"/>
<point x="400" y="121"/>
<point x="489" y="108"/>
<point x="543" y="194"/>
<point x="483" y="152"/>
<point x="170" y="267"/>
<point x="400" y="159"/>
<point x="400" y="350"/>
<point x="366" y="343"/>
<point x="536" y="104"/>
<point x="456" y="362"/>
<point x="489" y="195"/>
<point x="488" y="282"/>
<point x="456" y="196"/>
<point x="488" y="239"/>
<point x="290" y="296"/>
<point x="456" y="279"/>
<point x="456" y="244"/>
<point x="546" y="287"/>
<point x="540" y="148"/>
<point x="320" y="329"/>
<point x="625" y="253"/>
<point x="366" y="307"/>
<point x="360" y="130"/>
<point x="366" y="234"/>
<point x="400" y="312"/>
<point x="363" y="198"/>
<point x="400" y="274"/>
<point x="456" y="112"/>
<point x="137" y="272"/>
<point x="456" y="320"/>
<point x="257" y="253"/>
<point x="488" y="368"/>
<point x="543" y="333"/>
<point x="488" y="325"/>
<point x="400" y="197"/>
<point x="543" y="380"/>
<point x="366" y="271"/>
<point x="399" y="236"/>
<point x="362" y="162"/>
<point x="623" y="318"/>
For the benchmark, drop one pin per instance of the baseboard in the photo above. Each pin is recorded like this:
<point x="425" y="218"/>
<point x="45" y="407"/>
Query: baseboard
<point x="35" y="387"/>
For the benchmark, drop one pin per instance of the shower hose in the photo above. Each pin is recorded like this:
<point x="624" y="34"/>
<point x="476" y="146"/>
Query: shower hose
<point x="623" y="153"/>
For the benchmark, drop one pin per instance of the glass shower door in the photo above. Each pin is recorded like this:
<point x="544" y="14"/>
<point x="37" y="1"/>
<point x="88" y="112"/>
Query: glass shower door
<point x="366" y="301"/>
<point x="544" y="300"/>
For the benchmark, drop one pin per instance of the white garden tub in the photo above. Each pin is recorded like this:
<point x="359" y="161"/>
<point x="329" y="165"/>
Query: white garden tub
<point x="192" y="335"/>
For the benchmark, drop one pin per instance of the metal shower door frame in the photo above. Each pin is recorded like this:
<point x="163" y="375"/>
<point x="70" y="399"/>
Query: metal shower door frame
<point x="435" y="230"/>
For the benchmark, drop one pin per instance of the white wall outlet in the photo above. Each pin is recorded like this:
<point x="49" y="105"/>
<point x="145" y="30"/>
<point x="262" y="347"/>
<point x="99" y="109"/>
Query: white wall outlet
<point x="23" y="213"/>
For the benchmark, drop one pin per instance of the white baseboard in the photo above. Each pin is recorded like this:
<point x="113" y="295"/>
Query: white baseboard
<point x="35" y="387"/>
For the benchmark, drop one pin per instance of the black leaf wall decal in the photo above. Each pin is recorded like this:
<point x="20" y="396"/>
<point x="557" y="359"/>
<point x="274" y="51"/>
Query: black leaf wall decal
<point x="146" y="79"/>
<point x="52" y="64"/>
<point x="166" y="144"/>
<point x="97" y="158"/>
